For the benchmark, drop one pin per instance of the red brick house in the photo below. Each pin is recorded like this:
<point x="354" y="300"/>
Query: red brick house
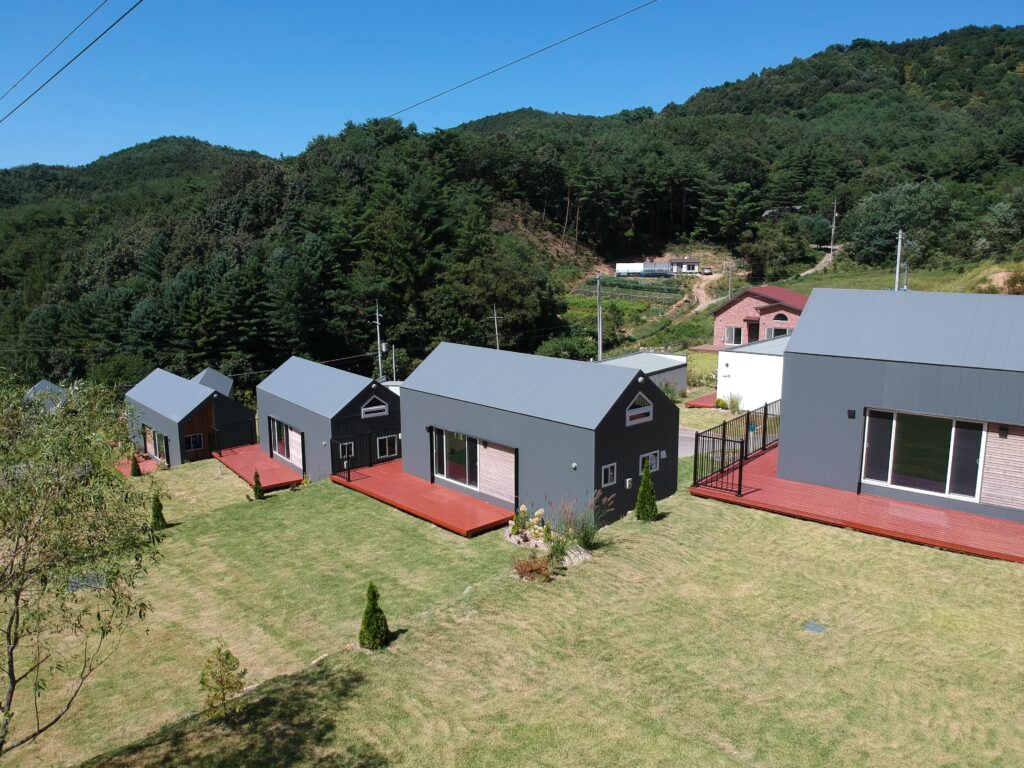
<point x="756" y="314"/>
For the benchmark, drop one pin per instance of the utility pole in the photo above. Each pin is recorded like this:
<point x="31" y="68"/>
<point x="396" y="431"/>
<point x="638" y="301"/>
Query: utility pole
<point x="380" y="354"/>
<point x="906" y="273"/>
<point x="600" y="322"/>
<point x="497" y="317"/>
<point x="899" y="258"/>
<point x="832" y="239"/>
<point x="394" y="366"/>
<point x="728" y="269"/>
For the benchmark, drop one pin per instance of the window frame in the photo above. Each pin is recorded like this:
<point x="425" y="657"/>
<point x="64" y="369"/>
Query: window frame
<point x="279" y="440"/>
<point x="185" y="442"/>
<point x="347" y="450"/>
<point x="442" y="471"/>
<point x="386" y="438"/>
<point x="774" y="333"/>
<point x="953" y="421"/>
<point x="655" y="457"/>
<point x="738" y="335"/>
<point x="614" y="467"/>
<point x="639" y="414"/>
<point x="368" y="411"/>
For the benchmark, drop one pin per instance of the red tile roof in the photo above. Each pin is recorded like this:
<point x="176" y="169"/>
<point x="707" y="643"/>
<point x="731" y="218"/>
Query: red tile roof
<point x="782" y="295"/>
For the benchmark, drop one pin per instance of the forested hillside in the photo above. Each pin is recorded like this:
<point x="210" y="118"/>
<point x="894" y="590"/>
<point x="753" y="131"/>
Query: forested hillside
<point x="182" y="254"/>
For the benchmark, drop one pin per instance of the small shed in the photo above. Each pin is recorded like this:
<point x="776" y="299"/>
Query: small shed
<point x="51" y="395"/>
<point x="175" y="420"/>
<point x="685" y="266"/>
<point x="512" y="428"/>
<point x="752" y="372"/>
<point x="315" y="418"/>
<point x="916" y="396"/>
<point x="662" y="367"/>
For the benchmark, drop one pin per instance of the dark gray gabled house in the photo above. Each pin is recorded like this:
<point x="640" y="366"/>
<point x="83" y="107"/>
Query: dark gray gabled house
<point x="314" y="418"/>
<point x="514" y="429"/>
<point x="909" y="395"/>
<point x="51" y="395"/>
<point x="175" y="420"/>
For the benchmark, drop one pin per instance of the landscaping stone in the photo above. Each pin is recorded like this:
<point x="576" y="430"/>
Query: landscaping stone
<point x="575" y="556"/>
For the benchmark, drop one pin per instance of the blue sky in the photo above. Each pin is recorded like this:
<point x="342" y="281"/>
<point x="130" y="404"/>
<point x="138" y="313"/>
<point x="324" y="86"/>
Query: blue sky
<point x="271" y="75"/>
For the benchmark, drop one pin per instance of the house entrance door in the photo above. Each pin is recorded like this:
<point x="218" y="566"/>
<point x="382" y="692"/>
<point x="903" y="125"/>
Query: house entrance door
<point x="753" y="332"/>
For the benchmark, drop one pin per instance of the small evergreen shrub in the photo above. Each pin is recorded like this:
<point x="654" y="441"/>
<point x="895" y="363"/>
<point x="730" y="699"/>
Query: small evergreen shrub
<point x="134" y="467"/>
<point x="646" y="503"/>
<point x="257" y="487"/>
<point x="558" y="548"/>
<point x="221" y="678"/>
<point x="156" y="520"/>
<point x="721" y="405"/>
<point x="374" y="633"/>
<point x="733" y="403"/>
<point x="670" y="390"/>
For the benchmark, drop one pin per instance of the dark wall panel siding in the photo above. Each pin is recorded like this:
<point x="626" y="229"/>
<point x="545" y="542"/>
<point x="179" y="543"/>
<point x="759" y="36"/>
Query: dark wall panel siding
<point x="349" y="424"/>
<point x="547" y="449"/>
<point x="234" y="422"/>
<point x="819" y="444"/>
<point x="624" y="445"/>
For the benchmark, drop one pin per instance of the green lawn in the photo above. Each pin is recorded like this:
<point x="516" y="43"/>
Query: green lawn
<point x="681" y="643"/>
<point x="283" y="581"/>
<point x="965" y="281"/>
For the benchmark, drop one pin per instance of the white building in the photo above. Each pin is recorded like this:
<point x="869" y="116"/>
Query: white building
<point x="753" y="372"/>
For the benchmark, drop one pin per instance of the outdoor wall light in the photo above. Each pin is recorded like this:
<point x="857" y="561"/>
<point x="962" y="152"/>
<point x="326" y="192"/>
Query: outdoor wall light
<point x="639" y="379"/>
<point x="851" y="414"/>
<point x="1004" y="431"/>
<point x="664" y="454"/>
<point x="629" y="483"/>
<point x="574" y="466"/>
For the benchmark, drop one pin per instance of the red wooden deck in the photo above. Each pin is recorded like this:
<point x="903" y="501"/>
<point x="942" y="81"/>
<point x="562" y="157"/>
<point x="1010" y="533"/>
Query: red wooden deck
<point x="707" y="401"/>
<point x="917" y="523"/>
<point x="146" y="465"/>
<point x="246" y="459"/>
<point x="709" y="347"/>
<point x="444" y="507"/>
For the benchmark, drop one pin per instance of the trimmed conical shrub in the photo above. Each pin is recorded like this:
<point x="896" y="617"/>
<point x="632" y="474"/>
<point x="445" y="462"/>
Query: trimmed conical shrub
<point x="134" y="467"/>
<point x="156" y="519"/>
<point x="646" y="503"/>
<point x="373" y="634"/>
<point x="257" y="487"/>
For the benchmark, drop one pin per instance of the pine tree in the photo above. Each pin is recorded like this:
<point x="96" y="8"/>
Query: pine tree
<point x="257" y="487"/>
<point x="157" y="521"/>
<point x="373" y="634"/>
<point x="221" y="678"/>
<point x="646" y="504"/>
<point x="134" y="468"/>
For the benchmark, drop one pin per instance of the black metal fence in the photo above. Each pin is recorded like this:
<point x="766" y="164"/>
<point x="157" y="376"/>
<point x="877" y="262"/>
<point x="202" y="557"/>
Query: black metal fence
<point x="720" y="452"/>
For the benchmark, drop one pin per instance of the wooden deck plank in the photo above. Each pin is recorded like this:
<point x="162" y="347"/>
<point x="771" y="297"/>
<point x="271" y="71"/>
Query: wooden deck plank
<point x="444" y="507"/>
<point x="246" y="459"/>
<point x="907" y="521"/>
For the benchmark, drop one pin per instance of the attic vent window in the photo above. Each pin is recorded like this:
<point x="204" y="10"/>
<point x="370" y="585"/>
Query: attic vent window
<point x="780" y="317"/>
<point x="639" y="411"/>
<point x="374" y="407"/>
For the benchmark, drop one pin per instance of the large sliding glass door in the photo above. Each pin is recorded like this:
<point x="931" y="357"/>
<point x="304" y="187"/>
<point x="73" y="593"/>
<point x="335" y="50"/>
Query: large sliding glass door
<point x="456" y="457"/>
<point x="923" y="453"/>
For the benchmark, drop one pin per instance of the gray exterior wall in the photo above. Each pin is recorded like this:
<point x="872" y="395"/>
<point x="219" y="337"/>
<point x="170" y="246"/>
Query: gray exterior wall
<point x="625" y="445"/>
<point x="675" y="376"/>
<point x="141" y="415"/>
<point x="318" y="431"/>
<point x="819" y="444"/>
<point x="546" y="449"/>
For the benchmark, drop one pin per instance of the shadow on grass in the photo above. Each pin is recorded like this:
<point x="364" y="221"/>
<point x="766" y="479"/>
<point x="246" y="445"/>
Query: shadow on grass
<point x="289" y="721"/>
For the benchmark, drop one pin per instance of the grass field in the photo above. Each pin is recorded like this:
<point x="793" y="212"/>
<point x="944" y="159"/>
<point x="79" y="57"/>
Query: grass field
<point x="965" y="281"/>
<point x="681" y="643"/>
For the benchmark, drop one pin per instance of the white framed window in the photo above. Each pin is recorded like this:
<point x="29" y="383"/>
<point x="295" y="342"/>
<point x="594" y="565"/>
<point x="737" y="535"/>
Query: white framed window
<point x="641" y="410"/>
<point x="374" y="407"/>
<point x="653" y="457"/>
<point x="609" y="474"/>
<point x="193" y="442"/>
<point x="934" y="455"/>
<point x="733" y="335"/>
<point x="387" y="446"/>
<point x="279" y="438"/>
<point x="776" y="332"/>
<point x="346" y="450"/>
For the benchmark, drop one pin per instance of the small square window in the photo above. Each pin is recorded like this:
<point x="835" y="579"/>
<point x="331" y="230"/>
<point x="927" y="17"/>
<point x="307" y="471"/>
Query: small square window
<point x="387" y="447"/>
<point x="346" y="450"/>
<point x="193" y="442"/>
<point x="608" y="475"/>
<point x="653" y="457"/>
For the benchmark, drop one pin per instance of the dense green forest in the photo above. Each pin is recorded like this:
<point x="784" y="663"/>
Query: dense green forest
<point x="182" y="254"/>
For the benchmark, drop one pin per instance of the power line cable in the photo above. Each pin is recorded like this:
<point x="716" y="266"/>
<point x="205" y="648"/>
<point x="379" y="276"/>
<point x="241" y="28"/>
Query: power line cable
<point x="523" y="58"/>
<point x="50" y="52"/>
<point x="71" y="61"/>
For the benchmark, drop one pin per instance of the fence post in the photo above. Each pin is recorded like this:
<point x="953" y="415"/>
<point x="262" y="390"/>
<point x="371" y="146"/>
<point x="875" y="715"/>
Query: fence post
<point x="721" y="460"/>
<point x="743" y="458"/>
<point x="746" y="427"/>
<point x="696" y="456"/>
<point x="764" y="426"/>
